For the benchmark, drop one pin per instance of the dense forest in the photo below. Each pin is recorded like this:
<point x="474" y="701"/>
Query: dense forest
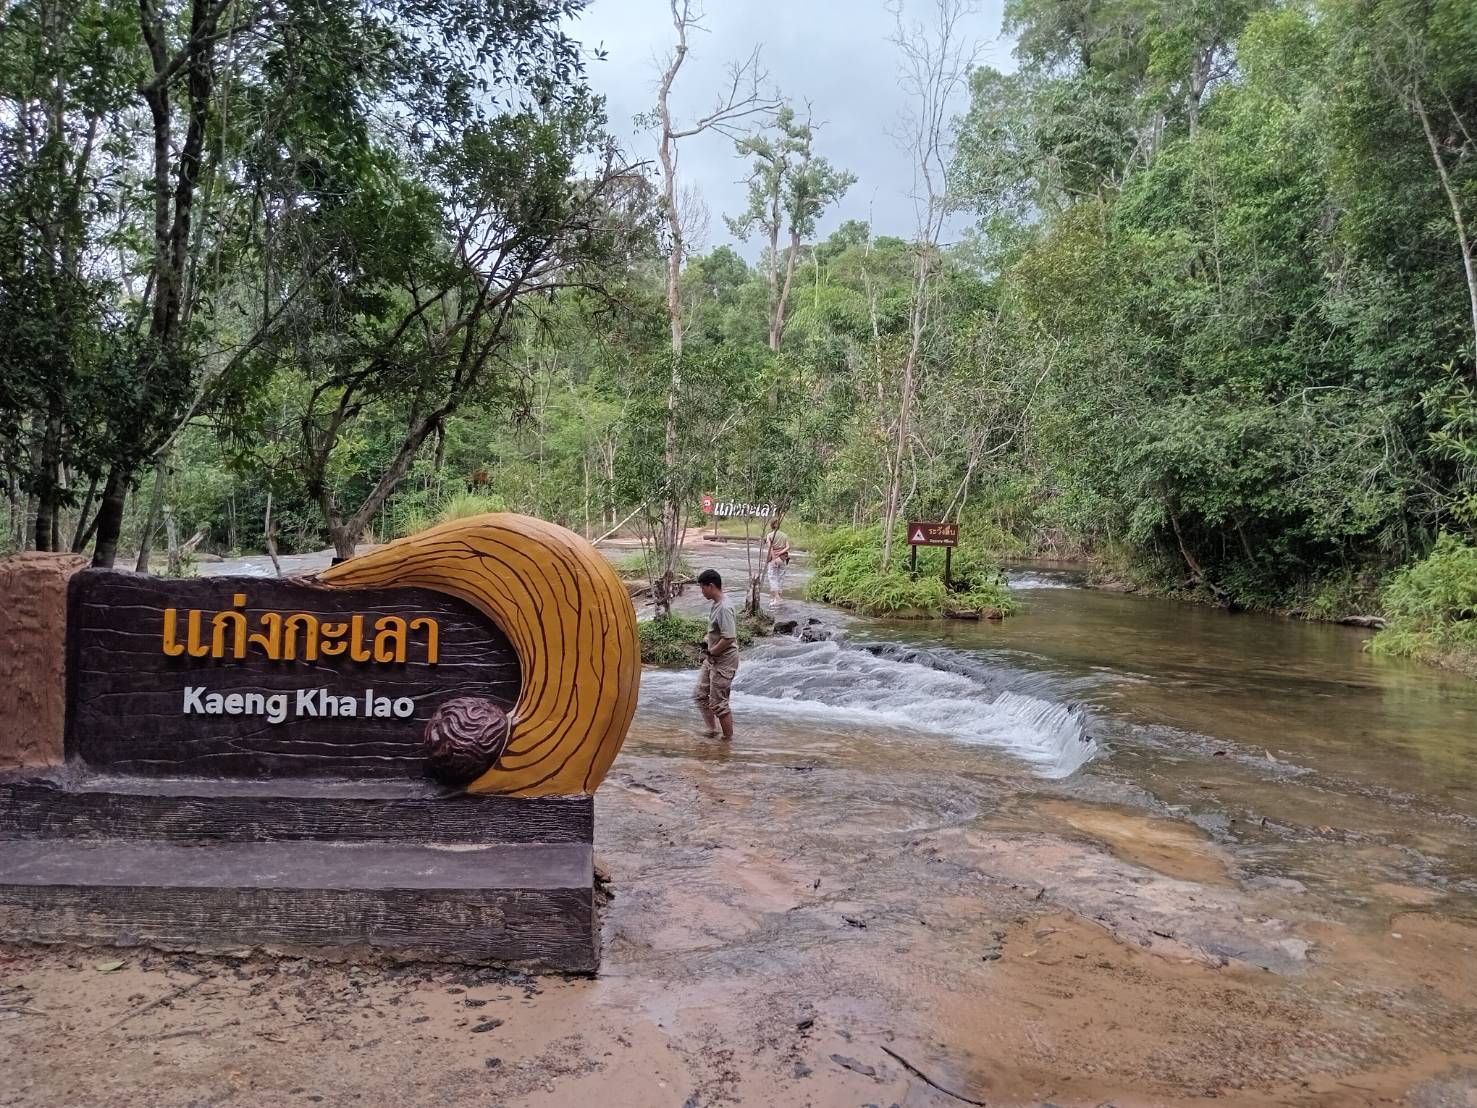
<point x="1192" y="291"/>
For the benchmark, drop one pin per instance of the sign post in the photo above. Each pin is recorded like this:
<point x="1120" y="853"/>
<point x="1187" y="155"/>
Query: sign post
<point x="399" y="754"/>
<point x="934" y="534"/>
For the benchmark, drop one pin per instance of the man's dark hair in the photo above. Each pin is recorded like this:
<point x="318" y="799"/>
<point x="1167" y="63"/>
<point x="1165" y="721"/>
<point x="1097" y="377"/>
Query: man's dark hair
<point x="710" y="577"/>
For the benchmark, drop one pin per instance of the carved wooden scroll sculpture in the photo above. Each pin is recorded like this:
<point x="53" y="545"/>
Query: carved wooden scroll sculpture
<point x="571" y="624"/>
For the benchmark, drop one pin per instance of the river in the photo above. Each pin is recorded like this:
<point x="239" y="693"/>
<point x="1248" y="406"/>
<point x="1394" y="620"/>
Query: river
<point x="1260" y="729"/>
<point x="1114" y="850"/>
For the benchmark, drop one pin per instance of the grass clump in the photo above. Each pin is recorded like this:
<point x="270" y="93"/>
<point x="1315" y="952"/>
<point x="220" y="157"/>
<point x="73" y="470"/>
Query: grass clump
<point x="416" y="516"/>
<point x="1431" y="608"/>
<point x="849" y="574"/>
<point x="671" y="641"/>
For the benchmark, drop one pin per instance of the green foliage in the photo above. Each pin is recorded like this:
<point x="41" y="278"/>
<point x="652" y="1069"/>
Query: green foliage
<point x="413" y="518"/>
<point x="1431" y="608"/>
<point x="671" y="641"/>
<point x="848" y="572"/>
<point x="1258" y="386"/>
<point x="1213" y="330"/>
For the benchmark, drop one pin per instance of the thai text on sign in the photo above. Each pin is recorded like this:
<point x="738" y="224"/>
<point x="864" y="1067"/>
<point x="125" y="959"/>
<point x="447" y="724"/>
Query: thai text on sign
<point x="281" y="637"/>
<point x="725" y="508"/>
<point x="933" y="534"/>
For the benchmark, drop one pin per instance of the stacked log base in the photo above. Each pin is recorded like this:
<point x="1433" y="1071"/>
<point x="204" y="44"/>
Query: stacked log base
<point x="326" y="868"/>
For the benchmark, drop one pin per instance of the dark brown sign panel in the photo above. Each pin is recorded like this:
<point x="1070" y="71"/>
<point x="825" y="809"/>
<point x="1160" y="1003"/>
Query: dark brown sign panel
<point x="261" y="677"/>
<point x="933" y="534"/>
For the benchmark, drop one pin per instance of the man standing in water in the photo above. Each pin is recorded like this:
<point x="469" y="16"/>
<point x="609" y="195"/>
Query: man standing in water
<point x="776" y="561"/>
<point x="720" y="658"/>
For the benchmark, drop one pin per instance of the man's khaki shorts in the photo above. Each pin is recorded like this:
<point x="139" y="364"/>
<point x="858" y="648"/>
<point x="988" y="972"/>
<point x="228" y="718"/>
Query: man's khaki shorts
<point x="716" y="681"/>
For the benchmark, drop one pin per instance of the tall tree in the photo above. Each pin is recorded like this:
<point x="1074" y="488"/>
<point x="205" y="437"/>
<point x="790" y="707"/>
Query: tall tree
<point x="788" y="184"/>
<point x="936" y="58"/>
<point x="740" y="101"/>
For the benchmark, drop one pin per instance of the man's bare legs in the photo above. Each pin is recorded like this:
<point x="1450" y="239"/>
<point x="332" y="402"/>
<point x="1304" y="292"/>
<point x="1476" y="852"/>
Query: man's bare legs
<point x="716" y="724"/>
<point x="710" y="721"/>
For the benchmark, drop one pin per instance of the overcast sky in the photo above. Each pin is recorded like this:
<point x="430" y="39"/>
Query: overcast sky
<point x="834" y="53"/>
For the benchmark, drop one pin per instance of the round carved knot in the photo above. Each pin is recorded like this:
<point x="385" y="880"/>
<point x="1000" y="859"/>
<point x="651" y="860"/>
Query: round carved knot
<point x="464" y="739"/>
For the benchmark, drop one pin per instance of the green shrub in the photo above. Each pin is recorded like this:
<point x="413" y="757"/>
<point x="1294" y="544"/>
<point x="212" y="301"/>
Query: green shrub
<point x="848" y="573"/>
<point x="671" y="641"/>
<point x="1431" y="608"/>
<point x="463" y="505"/>
<point x="1338" y="594"/>
<point x="412" y="515"/>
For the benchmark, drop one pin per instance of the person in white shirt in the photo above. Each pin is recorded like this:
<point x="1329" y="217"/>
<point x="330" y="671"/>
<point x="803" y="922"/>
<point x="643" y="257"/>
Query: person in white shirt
<point x="776" y="561"/>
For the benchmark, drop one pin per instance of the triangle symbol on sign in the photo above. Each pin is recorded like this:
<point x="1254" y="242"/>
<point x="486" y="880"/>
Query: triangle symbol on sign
<point x="918" y="535"/>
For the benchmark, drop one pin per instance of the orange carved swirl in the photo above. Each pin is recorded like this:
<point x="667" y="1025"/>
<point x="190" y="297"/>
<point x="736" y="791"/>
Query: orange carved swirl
<point x="570" y="621"/>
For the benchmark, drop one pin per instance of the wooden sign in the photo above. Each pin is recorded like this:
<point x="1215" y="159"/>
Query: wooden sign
<point x="933" y="534"/>
<point x="260" y="677"/>
<point x="519" y="623"/>
<point x="398" y="754"/>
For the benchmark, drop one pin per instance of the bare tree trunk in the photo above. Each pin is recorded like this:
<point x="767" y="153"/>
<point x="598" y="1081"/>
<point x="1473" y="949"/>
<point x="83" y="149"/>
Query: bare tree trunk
<point x="171" y="541"/>
<point x="17" y="521"/>
<point x="173" y="206"/>
<point x="1454" y="200"/>
<point x="776" y="301"/>
<point x="907" y="391"/>
<point x="665" y="554"/>
<point x="781" y="308"/>
<point x="109" y="522"/>
<point x="742" y="99"/>
<point x="48" y="492"/>
<point x="935" y="67"/>
<point x="344" y="541"/>
<point x="83" y="531"/>
<point x="151" y="523"/>
<point x="269" y="535"/>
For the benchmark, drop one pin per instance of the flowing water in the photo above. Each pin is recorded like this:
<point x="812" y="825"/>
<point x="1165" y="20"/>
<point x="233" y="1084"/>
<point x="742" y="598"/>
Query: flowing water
<point x="1274" y="734"/>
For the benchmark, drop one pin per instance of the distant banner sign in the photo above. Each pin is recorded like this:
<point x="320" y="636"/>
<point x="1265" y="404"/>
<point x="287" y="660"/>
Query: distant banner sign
<point x="933" y="534"/>
<point x="724" y="508"/>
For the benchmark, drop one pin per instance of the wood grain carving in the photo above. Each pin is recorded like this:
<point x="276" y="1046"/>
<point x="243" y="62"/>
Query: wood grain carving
<point x="571" y="624"/>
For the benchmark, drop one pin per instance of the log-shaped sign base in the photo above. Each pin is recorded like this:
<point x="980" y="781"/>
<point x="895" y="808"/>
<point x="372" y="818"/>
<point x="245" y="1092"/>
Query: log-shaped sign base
<point x="397" y="757"/>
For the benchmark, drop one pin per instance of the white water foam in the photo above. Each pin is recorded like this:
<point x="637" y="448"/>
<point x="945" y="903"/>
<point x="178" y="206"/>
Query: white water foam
<point x="1038" y="581"/>
<point x="829" y="684"/>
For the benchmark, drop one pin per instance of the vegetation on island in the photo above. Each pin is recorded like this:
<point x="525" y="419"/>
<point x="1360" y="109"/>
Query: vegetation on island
<point x="1192" y="292"/>
<point x="671" y="641"/>
<point x="848" y="572"/>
